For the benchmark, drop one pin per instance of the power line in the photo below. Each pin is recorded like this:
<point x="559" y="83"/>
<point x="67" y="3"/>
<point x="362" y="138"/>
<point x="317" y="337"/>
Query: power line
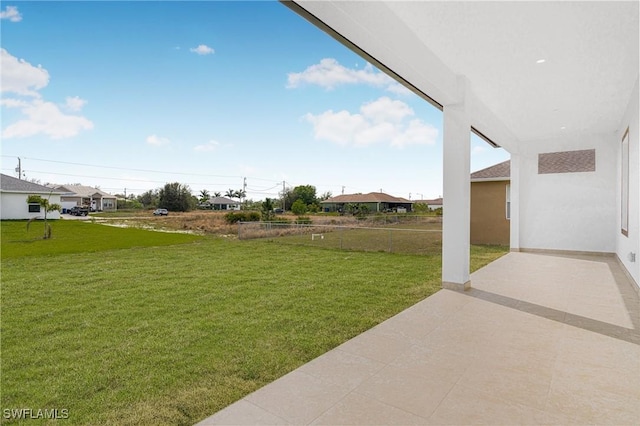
<point x="128" y="179"/>
<point x="125" y="168"/>
<point x="138" y="170"/>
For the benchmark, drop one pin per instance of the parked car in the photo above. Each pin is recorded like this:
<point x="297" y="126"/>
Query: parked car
<point x="160" y="212"/>
<point x="78" y="211"/>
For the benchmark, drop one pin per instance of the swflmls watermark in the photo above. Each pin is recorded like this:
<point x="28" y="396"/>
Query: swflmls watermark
<point x="35" y="413"/>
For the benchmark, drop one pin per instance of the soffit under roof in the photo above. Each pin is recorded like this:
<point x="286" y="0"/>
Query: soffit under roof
<point x="584" y="85"/>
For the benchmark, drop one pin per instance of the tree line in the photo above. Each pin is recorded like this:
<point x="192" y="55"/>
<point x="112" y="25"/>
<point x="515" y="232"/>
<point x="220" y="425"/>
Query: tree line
<point x="179" y="197"/>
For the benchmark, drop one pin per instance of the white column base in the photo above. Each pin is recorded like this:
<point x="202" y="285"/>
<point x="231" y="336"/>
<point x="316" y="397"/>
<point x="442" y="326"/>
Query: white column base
<point x="456" y="286"/>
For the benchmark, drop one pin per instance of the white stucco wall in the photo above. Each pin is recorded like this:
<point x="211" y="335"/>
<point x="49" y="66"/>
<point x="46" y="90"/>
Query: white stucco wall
<point x="631" y="242"/>
<point x="14" y="206"/>
<point x="568" y="211"/>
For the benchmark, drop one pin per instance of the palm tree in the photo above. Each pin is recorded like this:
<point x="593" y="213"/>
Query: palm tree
<point x="204" y="196"/>
<point x="48" y="207"/>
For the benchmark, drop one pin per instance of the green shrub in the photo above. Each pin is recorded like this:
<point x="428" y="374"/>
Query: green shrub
<point x="303" y="220"/>
<point x="299" y="207"/>
<point x="235" y="217"/>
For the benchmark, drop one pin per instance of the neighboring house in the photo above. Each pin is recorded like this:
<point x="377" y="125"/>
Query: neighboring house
<point x="434" y="204"/>
<point x="375" y="202"/>
<point x="223" y="203"/>
<point x="14" y="193"/>
<point x="490" y="205"/>
<point x="80" y="195"/>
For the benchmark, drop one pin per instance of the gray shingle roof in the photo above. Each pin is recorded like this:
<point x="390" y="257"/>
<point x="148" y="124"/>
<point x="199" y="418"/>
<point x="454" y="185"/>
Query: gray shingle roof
<point x="223" y="200"/>
<point x="11" y="184"/>
<point x="500" y="171"/>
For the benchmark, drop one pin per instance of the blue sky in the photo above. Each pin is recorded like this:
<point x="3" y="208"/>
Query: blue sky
<point x="137" y="94"/>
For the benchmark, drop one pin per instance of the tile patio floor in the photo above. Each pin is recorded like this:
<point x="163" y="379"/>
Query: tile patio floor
<point x="539" y="339"/>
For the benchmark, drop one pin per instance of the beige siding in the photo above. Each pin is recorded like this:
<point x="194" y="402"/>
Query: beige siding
<point x="489" y="224"/>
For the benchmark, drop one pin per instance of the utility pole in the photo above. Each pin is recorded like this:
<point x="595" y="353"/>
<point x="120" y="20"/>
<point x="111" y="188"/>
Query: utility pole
<point x="125" y="193"/>
<point x="342" y="189"/>
<point x="244" y="189"/>
<point x="19" y="169"/>
<point x="283" y="197"/>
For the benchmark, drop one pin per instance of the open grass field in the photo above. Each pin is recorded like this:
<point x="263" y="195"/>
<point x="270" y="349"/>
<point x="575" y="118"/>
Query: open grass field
<point x="127" y="326"/>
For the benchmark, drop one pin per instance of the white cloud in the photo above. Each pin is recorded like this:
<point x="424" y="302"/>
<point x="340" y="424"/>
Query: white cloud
<point x="416" y="133"/>
<point x="14" y="103"/>
<point x="40" y="117"/>
<point x="44" y="118"/>
<point x="207" y="147"/>
<point x="11" y="13"/>
<point x="75" y="103"/>
<point x="340" y="127"/>
<point x="20" y="77"/>
<point x="386" y="109"/>
<point x="380" y="121"/>
<point x="202" y="49"/>
<point x="330" y="74"/>
<point x="156" y="140"/>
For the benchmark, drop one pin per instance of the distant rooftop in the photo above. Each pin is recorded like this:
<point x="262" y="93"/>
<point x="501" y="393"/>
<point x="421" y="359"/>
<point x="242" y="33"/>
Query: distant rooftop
<point x="372" y="197"/>
<point x="222" y="200"/>
<point x="83" y="191"/>
<point x="434" y="202"/>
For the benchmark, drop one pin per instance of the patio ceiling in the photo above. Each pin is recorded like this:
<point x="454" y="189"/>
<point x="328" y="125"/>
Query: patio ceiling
<point x="590" y="53"/>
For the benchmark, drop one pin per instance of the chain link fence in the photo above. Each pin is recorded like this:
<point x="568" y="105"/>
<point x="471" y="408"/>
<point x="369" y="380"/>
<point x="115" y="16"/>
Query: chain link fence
<point x="423" y="239"/>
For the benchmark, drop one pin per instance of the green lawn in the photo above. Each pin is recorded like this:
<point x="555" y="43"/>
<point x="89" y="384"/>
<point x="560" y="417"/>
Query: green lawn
<point x="126" y="326"/>
<point x="73" y="236"/>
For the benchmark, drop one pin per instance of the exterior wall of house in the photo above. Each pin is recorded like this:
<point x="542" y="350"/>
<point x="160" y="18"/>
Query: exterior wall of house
<point x="109" y="204"/>
<point x="68" y="200"/>
<point x="489" y="223"/>
<point x="630" y="243"/>
<point x="14" y="206"/>
<point x="567" y="211"/>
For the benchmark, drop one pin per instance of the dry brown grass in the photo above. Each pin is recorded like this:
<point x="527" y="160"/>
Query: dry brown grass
<point x="213" y="222"/>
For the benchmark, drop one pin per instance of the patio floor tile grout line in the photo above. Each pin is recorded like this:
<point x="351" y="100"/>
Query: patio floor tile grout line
<point x="589" y="324"/>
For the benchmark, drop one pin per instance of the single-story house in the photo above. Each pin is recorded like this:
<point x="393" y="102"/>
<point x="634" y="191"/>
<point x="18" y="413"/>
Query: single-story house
<point x="434" y="204"/>
<point x="80" y="195"/>
<point x="223" y="203"/>
<point x="14" y="193"/>
<point x="374" y="201"/>
<point x="490" y="204"/>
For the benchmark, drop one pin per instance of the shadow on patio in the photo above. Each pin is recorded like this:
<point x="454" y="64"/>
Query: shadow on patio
<point x="539" y="339"/>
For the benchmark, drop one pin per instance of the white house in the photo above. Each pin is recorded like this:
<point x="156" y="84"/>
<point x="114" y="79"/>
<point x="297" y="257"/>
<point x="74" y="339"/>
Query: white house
<point x="13" y="199"/>
<point x="223" y="203"/>
<point x="540" y="79"/>
<point x="81" y="195"/>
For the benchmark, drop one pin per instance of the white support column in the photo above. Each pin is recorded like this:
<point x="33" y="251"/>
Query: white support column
<point x="514" y="221"/>
<point x="456" y="197"/>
